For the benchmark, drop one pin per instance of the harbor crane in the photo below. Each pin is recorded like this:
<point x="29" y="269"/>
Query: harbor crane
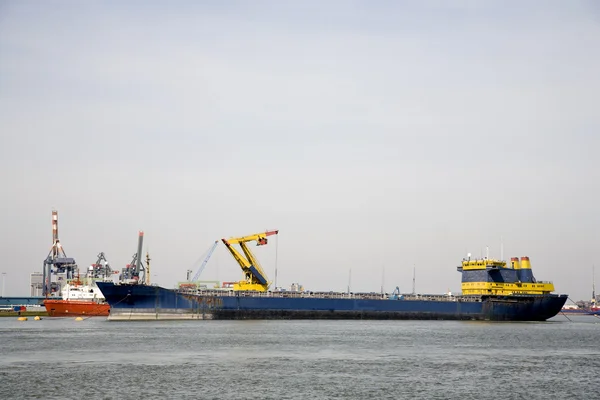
<point x="203" y="265"/>
<point x="254" y="277"/>
<point x="58" y="268"/>
<point x="101" y="269"/>
<point x="131" y="272"/>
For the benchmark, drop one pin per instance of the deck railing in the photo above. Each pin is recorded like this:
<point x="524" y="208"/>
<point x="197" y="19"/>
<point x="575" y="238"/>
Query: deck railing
<point x="330" y="295"/>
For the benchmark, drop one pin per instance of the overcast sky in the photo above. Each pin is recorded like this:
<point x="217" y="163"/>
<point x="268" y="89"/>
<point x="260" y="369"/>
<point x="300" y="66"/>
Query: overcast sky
<point x="375" y="135"/>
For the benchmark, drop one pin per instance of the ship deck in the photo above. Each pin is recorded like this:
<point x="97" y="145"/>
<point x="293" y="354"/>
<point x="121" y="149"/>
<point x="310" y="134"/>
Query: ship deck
<point x="330" y="295"/>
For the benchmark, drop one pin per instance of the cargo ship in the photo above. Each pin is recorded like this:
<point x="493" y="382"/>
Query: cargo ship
<point x="491" y="290"/>
<point x="577" y="310"/>
<point x="584" y="307"/>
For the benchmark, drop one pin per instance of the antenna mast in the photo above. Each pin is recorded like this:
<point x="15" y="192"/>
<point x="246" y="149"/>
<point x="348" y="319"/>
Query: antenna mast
<point x="349" y="279"/>
<point x="414" y="291"/>
<point x="147" y="273"/>
<point x="593" y="285"/>
<point x="276" y="251"/>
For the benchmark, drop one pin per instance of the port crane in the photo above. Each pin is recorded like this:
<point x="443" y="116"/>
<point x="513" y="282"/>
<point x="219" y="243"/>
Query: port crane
<point x="396" y="295"/>
<point x="203" y="265"/>
<point x="131" y="272"/>
<point x="255" y="277"/>
<point x="101" y="269"/>
<point x="57" y="266"/>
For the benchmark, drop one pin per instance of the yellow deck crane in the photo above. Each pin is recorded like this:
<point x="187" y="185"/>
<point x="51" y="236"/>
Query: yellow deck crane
<point x="255" y="278"/>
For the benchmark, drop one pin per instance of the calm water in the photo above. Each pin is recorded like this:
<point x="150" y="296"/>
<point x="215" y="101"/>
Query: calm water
<point x="97" y="359"/>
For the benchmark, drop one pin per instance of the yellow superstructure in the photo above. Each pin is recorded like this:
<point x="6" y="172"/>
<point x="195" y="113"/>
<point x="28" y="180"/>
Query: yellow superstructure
<point x="469" y="265"/>
<point x="489" y="276"/>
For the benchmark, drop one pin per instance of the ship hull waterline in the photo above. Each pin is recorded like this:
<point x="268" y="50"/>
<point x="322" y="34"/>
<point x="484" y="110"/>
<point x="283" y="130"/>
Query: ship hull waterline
<point x="140" y="302"/>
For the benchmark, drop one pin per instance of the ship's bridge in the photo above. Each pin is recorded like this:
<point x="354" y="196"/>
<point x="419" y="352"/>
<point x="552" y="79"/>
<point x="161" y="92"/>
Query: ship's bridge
<point x="490" y="276"/>
<point x="486" y="263"/>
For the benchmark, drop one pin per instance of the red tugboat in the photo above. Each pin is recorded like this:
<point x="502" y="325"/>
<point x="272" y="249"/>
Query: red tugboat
<point x="78" y="300"/>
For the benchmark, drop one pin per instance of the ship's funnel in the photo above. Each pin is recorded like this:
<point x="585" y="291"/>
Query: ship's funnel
<point x="514" y="263"/>
<point x="526" y="273"/>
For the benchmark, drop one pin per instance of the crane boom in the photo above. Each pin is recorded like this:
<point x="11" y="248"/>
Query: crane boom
<point x="255" y="277"/>
<point x="212" y="249"/>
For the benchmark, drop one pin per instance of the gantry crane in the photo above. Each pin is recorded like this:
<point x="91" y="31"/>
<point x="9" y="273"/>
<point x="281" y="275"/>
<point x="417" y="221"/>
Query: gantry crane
<point x="58" y="268"/>
<point x="101" y="269"/>
<point x="255" y="278"/>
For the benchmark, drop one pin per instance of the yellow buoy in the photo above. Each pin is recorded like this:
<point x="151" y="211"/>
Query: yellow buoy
<point x="22" y="318"/>
<point x="78" y="319"/>
<point x="37" y="318"/>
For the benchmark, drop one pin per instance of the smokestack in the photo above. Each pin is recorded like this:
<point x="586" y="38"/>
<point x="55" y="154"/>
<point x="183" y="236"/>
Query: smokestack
<point x="526" y="273"/>
<point x="514" y="264"/>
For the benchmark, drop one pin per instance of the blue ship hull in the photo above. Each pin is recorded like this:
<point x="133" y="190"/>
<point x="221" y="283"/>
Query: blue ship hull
<point x="140" y="302"/>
